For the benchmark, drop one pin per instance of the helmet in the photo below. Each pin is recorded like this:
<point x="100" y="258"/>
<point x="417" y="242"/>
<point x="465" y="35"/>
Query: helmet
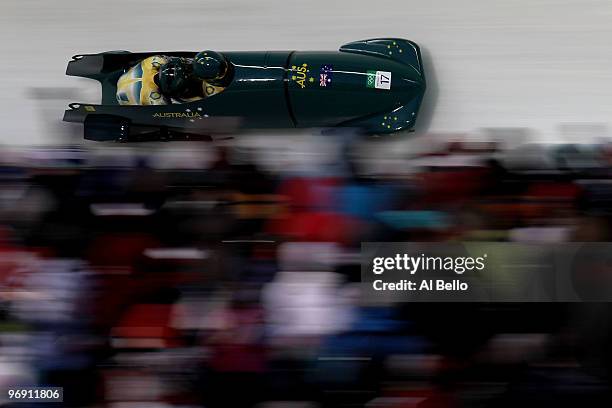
<point x="210" y="66"/>
<point x="174" y="76"/>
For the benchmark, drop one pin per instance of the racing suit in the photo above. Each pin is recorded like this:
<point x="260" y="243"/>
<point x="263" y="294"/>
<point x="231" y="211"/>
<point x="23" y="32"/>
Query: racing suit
<point x="138" y="87"/>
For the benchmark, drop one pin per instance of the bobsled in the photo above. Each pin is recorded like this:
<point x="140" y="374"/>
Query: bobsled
<point x="375" y="85"/>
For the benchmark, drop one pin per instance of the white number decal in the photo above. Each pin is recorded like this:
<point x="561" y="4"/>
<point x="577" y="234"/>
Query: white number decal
<point x="383" y="80"/>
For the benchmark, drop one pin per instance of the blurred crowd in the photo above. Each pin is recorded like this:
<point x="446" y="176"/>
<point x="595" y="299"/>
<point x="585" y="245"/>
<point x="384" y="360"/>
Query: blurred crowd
<point x="227" y="275"/>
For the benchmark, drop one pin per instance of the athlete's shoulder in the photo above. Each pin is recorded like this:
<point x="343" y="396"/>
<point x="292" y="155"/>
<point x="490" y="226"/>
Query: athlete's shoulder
<point x="154" y="61"/>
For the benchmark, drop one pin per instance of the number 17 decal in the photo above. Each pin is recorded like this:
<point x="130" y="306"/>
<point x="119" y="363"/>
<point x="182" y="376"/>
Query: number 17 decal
<point x="379" y="79"/>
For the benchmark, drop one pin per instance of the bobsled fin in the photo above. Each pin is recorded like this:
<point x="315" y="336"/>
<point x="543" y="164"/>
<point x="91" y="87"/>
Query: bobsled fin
<point x="397" y="49"/>
<point x="105" y="68"/>
<point x="95" y="65"/>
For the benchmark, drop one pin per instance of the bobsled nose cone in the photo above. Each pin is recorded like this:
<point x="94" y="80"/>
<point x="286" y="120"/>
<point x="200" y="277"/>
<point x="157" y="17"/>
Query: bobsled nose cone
<point x="413" y="77"/>
<point x="408" y="87"/>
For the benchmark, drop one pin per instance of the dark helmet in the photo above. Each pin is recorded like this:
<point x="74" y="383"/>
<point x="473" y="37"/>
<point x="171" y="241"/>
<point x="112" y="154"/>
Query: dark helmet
<point x="174" y="76"/>
<point x="210" y="66"/>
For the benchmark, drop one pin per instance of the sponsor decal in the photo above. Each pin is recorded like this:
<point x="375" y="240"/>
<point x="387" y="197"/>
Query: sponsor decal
<point x="186" y="115"/>
<point x="209" y="90"/>
<point x="371" y="79"/>
<point x="300" y="74"/>
<point x="378" y="79"/>
<point x="326" y="75"/>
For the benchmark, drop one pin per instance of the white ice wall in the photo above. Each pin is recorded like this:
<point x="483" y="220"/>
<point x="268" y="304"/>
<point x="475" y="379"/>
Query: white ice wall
<point x="532" y="63"/>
